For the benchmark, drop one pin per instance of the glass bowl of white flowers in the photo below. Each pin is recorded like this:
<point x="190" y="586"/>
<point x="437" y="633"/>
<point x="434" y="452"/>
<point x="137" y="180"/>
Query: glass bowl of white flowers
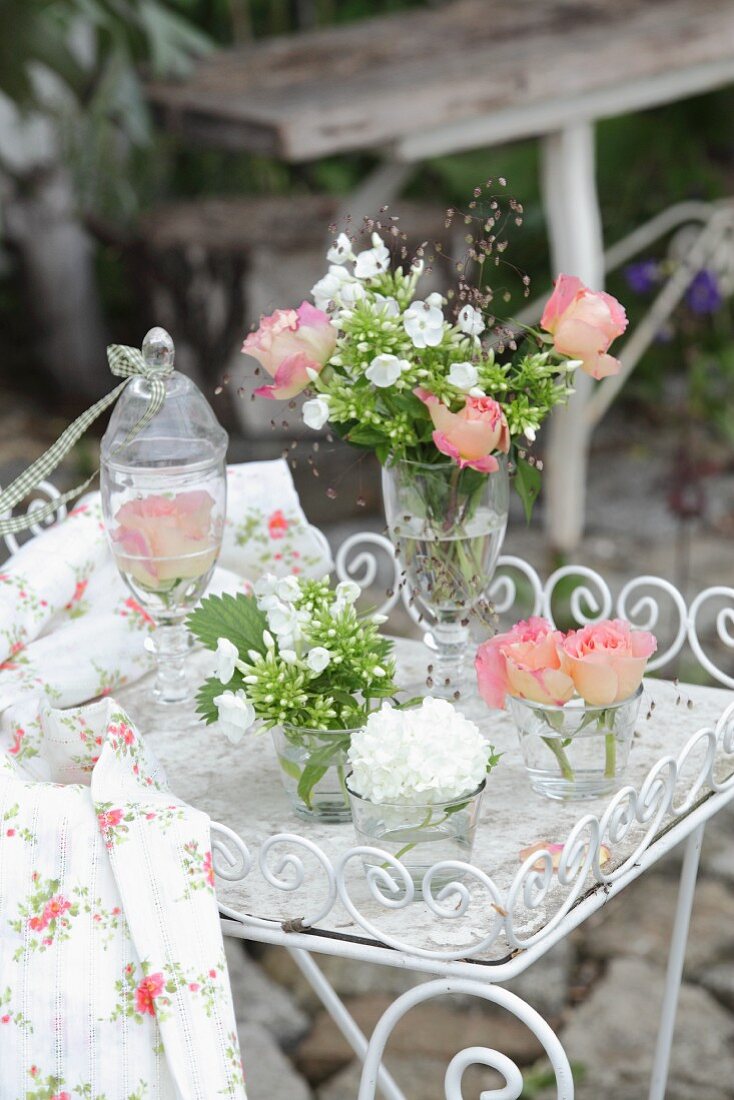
<point x="416" y="785"/>
<point x="298" y="658"/>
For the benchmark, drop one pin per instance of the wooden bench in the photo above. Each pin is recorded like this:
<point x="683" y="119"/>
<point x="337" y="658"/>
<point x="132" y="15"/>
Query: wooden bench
<point x="470" y="74"/>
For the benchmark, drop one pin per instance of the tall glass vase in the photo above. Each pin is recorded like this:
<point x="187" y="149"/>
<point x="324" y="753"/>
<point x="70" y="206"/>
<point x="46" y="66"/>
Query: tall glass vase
<point x="447" y="526"/>
<point x="163" y="499"/>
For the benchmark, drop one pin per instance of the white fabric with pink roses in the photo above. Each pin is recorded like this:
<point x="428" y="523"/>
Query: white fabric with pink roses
<point x="113" y="984"/>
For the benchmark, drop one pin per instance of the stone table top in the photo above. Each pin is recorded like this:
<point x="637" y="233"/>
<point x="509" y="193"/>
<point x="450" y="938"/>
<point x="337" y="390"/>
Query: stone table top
<point x="239" y="786"/>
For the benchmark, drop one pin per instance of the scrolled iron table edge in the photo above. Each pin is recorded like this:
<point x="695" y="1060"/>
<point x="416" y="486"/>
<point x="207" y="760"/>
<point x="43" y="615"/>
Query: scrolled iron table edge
<point x="668" y="823"/>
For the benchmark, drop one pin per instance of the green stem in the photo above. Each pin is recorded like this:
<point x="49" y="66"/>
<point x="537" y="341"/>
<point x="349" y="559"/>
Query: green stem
<point x="343" y="782"/>
<point x="423" y="825"/>
<point x="610" y="756"/>
<point x="563" y="762"/>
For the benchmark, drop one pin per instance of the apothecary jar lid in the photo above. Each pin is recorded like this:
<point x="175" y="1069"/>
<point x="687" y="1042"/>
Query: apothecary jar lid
<point x="183" y="433"/>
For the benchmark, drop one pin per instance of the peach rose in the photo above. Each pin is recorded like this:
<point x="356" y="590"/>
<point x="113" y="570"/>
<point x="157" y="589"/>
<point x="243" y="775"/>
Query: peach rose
<point x="525" y="662"/>
<point x="583" y="324"/>
<point x="159" y="538"/>
<point x="288" y="344"/>
<point x="470" y="435"/>
<point x="606" y="660"/>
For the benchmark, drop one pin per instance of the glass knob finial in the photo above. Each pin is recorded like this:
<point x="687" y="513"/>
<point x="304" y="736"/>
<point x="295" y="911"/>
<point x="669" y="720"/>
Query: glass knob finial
<point x="158" y="350"/>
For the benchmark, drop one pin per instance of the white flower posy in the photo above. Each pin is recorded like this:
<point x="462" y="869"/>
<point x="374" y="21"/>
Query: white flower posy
<point x="428" y="755"/>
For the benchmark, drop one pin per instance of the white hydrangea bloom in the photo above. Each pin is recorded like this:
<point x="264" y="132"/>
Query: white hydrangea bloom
<point x="341" y="250"/>
<point x="373" y="261"/>
<point x="428" y="755"/>
<point x="424" y="324"/>
<point x="384" y="370"/>
<point x="316" y="412"/>
<point x="470" y="321"/>
<point x="236" y="714"/>
<point x="227" y="654"/>
<point x="463" y="375"/>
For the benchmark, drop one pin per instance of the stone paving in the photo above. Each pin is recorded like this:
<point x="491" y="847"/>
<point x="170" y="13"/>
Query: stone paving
<point x="602" y="988"/>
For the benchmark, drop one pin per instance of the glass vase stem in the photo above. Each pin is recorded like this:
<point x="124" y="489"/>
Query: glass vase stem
<point x="448" y="665"/>
<point x="170" y="643"/>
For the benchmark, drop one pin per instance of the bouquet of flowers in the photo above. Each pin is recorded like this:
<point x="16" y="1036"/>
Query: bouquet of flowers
<point x="429" y="378"/>
<point x="297" y="655"/>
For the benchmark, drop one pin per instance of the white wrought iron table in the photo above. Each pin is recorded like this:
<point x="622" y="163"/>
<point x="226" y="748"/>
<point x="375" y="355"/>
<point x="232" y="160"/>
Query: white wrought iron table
<point x="302" y="885"/>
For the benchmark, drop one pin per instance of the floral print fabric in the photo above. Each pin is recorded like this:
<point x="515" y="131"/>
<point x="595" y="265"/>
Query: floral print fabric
<point x="113" y="984"/>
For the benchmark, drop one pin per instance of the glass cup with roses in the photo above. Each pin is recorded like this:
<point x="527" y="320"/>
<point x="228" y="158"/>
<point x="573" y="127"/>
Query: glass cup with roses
<point x="574" y="698"/>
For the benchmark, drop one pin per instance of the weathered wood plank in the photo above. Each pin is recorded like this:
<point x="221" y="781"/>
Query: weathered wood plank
<point x="376" y="82"/>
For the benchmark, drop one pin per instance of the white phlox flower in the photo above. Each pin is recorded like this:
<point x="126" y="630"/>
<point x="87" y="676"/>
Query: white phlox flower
<point x="384" y="370"/>
<point x="373" y="261"/>
<point x="341" y="250"/>
<point x="227" y="654"/>
<point x="470" y="321"/>
<point x="236" y="714"/>
<point x="316" y="412"/>
<point x="463" y="375"/>
<point x="318" y="659"/>
<point x="424" y="324"/>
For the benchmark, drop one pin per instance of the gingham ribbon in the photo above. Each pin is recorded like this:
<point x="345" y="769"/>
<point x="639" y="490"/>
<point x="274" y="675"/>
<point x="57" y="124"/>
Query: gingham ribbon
<point x="124" y="363"/>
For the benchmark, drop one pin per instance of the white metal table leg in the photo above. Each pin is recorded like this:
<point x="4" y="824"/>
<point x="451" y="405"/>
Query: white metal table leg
<point x="472" y="1055"/>
<point x="676" y="959"/>
<point x="577" y="248"/>
<point x="343" y="1020"/>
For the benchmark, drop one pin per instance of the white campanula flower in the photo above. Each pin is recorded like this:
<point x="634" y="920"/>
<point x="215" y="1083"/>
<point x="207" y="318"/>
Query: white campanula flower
<point x="227" y="654"/>
<point x="470" y="321"/>
<point x="287" y="623"/>
<point x="385" y="306"/>
<point x="463" y="375"/>
<point x="318" y="659"/>
<point x="326" y="291"/>
<point x="424" y="324"/>
<point x="341" y="250"/>
<point x="347" y="592"/>
<point x="431" y="754"/>
<point x="236" y="714"/>
<point x="287" y="589"/>
<point x="373" y="261"/>
<point x="316" y="412"/>
<point x="384" y="370"/>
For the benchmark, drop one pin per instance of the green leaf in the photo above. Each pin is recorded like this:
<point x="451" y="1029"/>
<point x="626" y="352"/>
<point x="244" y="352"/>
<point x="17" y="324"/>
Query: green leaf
<point x="527" y="484"/>
<point x="205" y="697"/>
<point x="310" y="776"/>
<point x="289" y="767"/>
<point x="236" y="618"/>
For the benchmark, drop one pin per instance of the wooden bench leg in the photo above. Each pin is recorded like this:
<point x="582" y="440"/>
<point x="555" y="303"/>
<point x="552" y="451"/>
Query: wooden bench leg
<point x="577" y="248"/>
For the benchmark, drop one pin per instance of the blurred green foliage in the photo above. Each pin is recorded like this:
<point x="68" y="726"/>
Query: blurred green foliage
<point x="646" y="161"/>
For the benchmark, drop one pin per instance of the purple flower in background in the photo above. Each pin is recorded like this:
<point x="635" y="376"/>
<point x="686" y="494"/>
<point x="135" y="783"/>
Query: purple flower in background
<point x="703" y="295"/>
<point x="643" y="276"/>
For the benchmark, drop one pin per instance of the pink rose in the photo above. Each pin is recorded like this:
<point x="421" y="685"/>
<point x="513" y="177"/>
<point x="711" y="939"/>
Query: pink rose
<point x="525" y="662"/>
<point x="158" y="538"/>
<point x="470" y="435"/>
<point x="583" y="324"/>
<point x="288" y="344"/>
<point x="606" y="660"/>
<point x="37" y="924"/>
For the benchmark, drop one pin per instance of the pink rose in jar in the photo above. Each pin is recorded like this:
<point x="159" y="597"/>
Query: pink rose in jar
<point x="524" y="661"/>
<point x="583" y="324"/>
<point x="471" y="435"/>
<point x="163" y="538"/>
<point x="288" y="344"/>
<point x="606" y="660"/>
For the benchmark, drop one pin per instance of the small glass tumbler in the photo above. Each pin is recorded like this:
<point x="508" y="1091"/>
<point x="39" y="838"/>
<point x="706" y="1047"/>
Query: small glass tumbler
<point x="575" y="751"/>
<point x="313" y="768"/>
<point x="419" y="835"/>
<point x="164" y="499"/>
